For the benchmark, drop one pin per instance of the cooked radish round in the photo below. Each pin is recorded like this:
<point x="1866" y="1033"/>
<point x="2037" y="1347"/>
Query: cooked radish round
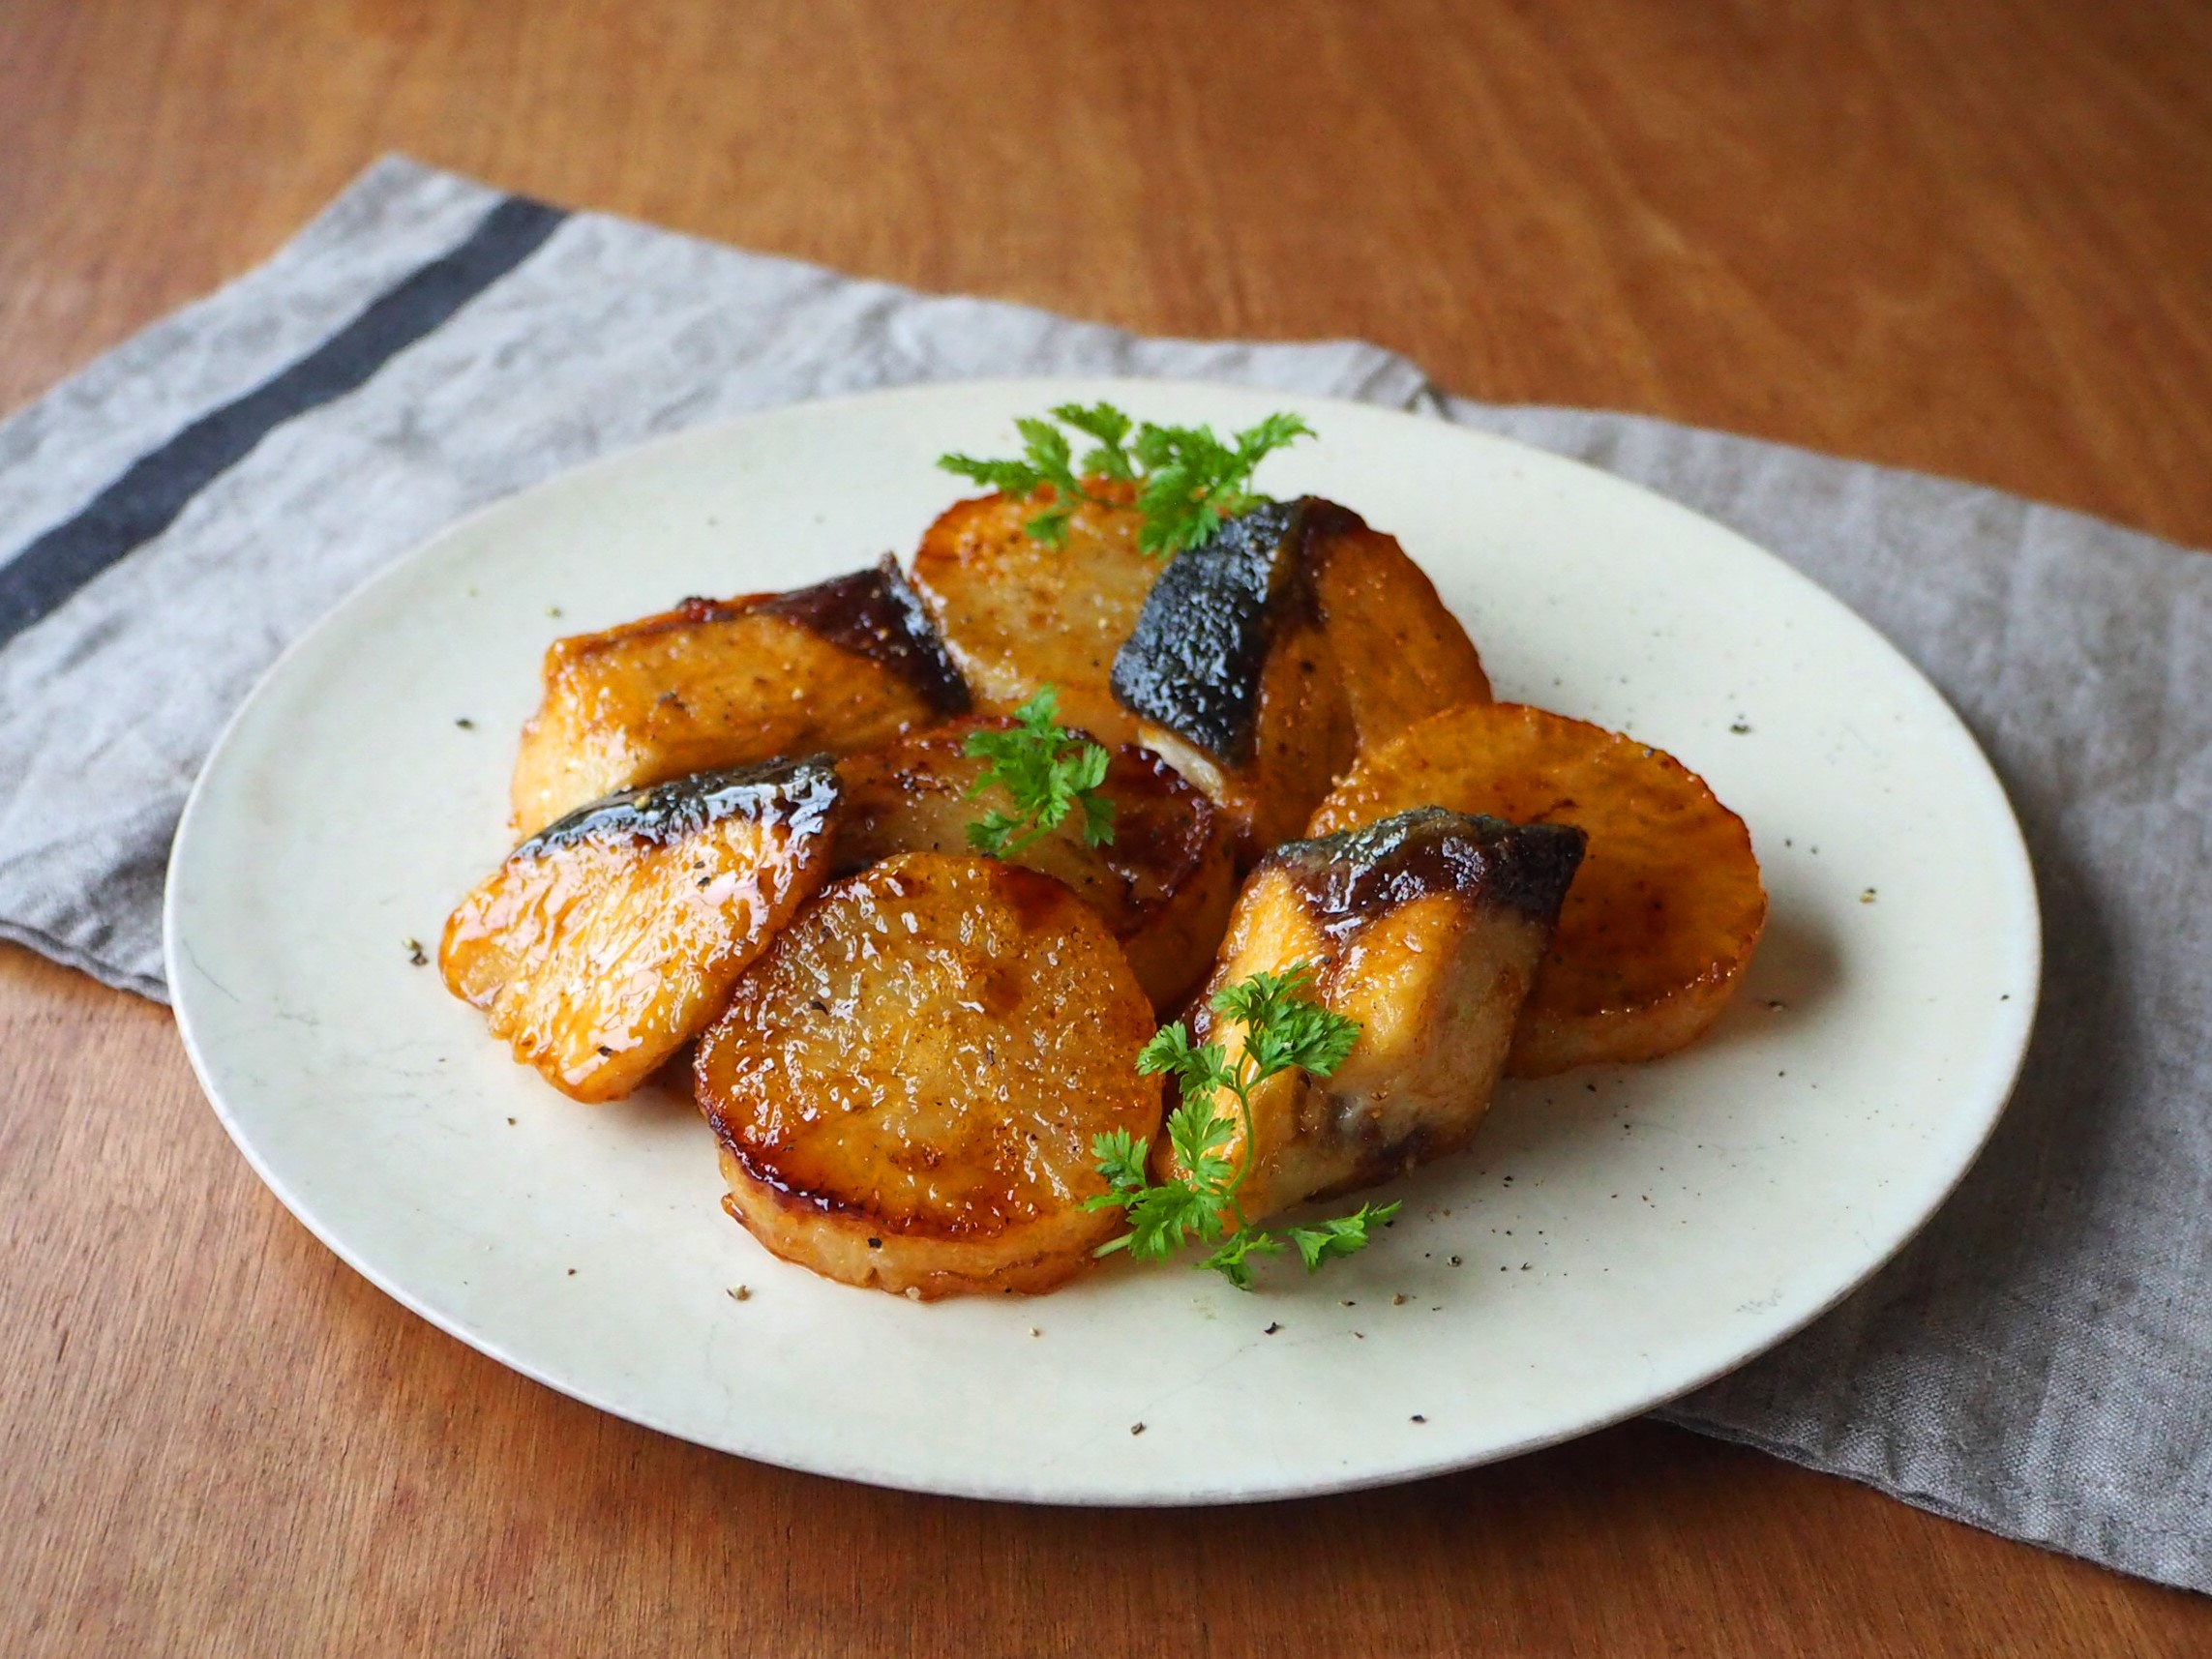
<point x="906" y="1084"/>
<point x="1662" y="917"/>
<point x="1401" y="654"/>
<point x="1016" y="615"/>
<point x="1163" y="884"/>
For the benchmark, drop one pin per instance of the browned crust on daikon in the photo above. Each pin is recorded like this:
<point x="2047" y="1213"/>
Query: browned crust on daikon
<point x="1016" y="615"/>
<point x="835" y="1241"/>
<point x="906" y="1086"/>
<point x="1401" y="654"/>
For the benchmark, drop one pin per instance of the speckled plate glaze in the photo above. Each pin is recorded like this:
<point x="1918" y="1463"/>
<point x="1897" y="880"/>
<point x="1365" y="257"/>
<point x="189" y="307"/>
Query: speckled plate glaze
<point x="1614" y="1238"/>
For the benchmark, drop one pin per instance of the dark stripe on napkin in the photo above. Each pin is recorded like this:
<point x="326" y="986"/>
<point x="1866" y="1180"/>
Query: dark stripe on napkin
<point x="147" y="498"/>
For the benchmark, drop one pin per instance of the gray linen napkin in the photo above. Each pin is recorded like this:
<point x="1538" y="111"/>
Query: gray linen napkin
<point x="2039" y="1362"/>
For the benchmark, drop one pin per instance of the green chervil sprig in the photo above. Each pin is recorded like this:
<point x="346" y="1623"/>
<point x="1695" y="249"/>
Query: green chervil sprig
<point x="1047" y="770"/>
<point x="1188" y="479"/>
<point x="1284" y="1031"/>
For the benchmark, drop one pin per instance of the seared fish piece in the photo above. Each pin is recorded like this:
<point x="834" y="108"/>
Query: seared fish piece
<point x="907" y="1086"/>
<point x="609" y="939"/>
<point x="1662" y="920"/>
<point x="1233" y="681"/>
<point x="1267" y="658"/>
<point x="839" y="666"/>
<point x="1427" y="929"/>
<point x="1163" y="885"/>
<point x="1017" y="616"/>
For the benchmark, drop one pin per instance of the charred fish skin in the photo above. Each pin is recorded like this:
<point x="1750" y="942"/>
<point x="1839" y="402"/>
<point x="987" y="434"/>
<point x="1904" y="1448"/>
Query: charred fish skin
<point x="1426" y="929"/>
<point x="1266" y="660"/>
<point x="1357" y="874"/>
<point x="1232" y="679"/>
<point x="793" y="794"/>
<point x="1192" y="663"/>
<point x="876" y="613"/>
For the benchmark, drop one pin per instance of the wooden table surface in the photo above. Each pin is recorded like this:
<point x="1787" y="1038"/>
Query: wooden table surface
<point x="1973" y="237"/>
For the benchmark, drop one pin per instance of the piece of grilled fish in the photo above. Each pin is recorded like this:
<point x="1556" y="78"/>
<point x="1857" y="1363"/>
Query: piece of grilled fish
<point x="1267" y="658"/>
<point x="1163" y="884"/>
<point x="607" y="940"/>
<point x="1427" y="929"/>
<point x="836" y="668"/>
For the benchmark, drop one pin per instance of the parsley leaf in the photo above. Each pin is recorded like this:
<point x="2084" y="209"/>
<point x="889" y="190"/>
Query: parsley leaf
<point x="1192" y="481"/>
<point x="1121" y="1161"/>
<point x="1199" y="1069"/>
<point x="1111" y="428"/>
<point x="1188" y="479"/>
<point x="1232" y="1260"/>
<point x="1285" y="1029"/>
<point x="1345" y="1236"/>
<point x="1197" y="1133"/>
<point x="1164" y="1218"/>
<point x="1046" y="459"/>
<point x="1047" y="770"/>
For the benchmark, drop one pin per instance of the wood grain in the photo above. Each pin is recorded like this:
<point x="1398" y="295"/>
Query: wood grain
<point x="1973" y="238"/>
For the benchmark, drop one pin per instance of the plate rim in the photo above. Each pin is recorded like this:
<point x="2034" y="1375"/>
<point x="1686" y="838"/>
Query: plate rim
<point x="2017" y="866"/>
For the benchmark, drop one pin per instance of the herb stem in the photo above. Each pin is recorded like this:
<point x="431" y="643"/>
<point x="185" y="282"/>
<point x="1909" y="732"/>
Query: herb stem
<point x="1243" y="1094"/>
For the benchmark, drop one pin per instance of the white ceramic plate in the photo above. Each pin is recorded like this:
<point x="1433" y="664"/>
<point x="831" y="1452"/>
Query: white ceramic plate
<point x="1613" y="1239"/>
